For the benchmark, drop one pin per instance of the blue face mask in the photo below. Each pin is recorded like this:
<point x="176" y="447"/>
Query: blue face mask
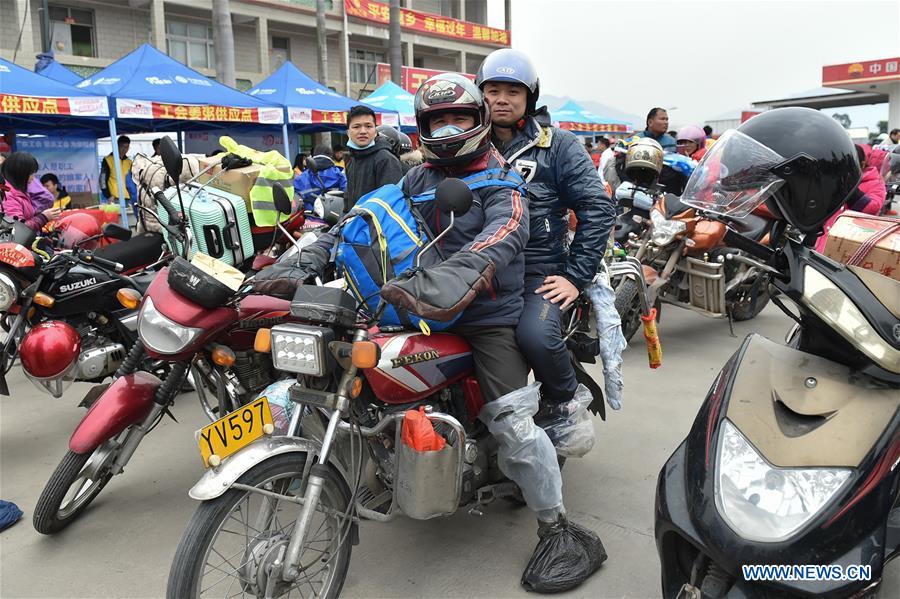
<point x="446" y="131"/>
<point x="356" y="147"/>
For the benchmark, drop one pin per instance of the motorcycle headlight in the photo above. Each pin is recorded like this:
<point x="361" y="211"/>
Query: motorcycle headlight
<point x="160" y="334"/>
<point x="664" y="230"/>
<point x="9" y="292"/>
<point x="765" y="503"/>
<point x="300" y="348"/>
<point x="834" y="307"/>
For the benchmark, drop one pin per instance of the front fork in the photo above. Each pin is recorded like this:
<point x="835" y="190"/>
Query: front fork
<point x="161" y="401"/>
<point x="290" y="570"/>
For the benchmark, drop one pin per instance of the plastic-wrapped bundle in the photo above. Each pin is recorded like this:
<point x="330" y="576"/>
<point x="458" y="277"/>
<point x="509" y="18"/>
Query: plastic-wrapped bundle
<point x="280" y="403"/>
<point x="609" y="332"/>
<point x="569" y="425"/>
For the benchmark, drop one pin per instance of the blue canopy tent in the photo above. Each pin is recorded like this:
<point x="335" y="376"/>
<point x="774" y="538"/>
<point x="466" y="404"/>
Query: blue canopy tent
<point x="572" y="117"/>
<point x="48" y="67"/>
<point x="35" y="103"/>
<point x="391" y="96"/>
<point x="308" y="105"/>
<point x="150" y="91"/>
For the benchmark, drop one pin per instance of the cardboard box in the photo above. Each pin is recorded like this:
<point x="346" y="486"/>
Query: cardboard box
<point x="238" y="181"/>
<point x="853" y="229"/>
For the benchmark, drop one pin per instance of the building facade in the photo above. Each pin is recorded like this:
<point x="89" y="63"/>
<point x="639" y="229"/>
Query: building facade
<point x="87" y="35"/>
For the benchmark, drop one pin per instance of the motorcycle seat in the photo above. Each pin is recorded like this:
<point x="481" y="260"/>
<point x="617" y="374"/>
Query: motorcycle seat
<point x="142" y="281"/>
<point x="752" y="226"/>
<point x="137" y="252"/>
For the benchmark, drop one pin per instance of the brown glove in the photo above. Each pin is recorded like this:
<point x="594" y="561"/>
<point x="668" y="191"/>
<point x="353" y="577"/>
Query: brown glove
<point x="443" y="291"/>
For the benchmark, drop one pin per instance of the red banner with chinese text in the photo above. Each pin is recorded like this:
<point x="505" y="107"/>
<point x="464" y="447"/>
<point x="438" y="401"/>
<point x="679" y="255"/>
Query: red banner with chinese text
<point x="426" y="23"/>
<point x="594" y="127"/>
<point x="12" y="104"/>
<point x="886" y="69"/>
<point x="411" y="78"/>
<point x="308" y="116"/>
<point x="139" y="109"/>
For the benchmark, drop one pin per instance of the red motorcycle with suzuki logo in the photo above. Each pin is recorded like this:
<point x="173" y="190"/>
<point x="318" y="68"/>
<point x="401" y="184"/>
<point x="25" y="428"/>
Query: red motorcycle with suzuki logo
<point x="283" y="509"/>
<point x="198" y="320"/>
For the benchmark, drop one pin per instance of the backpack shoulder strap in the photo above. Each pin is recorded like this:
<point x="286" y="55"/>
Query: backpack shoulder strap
<point x="492" y="177"/>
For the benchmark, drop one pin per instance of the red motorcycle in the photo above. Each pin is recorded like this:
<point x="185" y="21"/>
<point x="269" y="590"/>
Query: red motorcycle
<point x="286" y="506"/>
<point x="197" y="327"/>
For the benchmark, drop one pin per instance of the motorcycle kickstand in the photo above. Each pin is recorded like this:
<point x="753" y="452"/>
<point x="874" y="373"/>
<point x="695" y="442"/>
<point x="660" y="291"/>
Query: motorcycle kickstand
<point x="730" y="322"/>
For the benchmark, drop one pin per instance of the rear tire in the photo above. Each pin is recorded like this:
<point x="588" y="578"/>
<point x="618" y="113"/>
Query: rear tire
<point x="52" y="512"/>
<point x="202" y="531"/>
<point x="628" y="306"/>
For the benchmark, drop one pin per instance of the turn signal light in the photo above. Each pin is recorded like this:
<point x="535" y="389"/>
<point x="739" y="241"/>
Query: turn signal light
<point x="263" y="342"/>
<point x="42" y="299"/>
<point x="365" y="354"/>
<point x="356" y="387"/>
<point x="129" y="298"/>
<point x="223" y="356"/>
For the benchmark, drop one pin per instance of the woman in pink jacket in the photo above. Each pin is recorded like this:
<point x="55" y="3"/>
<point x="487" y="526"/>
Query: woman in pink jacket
<point x="18" y="170"/>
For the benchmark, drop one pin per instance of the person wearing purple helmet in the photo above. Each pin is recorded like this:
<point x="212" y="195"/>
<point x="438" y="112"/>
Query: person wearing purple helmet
<point x="692" y="142"/>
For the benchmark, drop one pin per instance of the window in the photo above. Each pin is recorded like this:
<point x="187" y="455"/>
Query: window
<point x="191" y="44"/>
<point x="72" y="31"/>
<point x="363" y="64"/>
<point x="280" y="52"/>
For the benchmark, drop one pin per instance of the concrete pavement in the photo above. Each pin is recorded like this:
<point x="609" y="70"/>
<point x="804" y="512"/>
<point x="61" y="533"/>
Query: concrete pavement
<point x="123" y="545"/>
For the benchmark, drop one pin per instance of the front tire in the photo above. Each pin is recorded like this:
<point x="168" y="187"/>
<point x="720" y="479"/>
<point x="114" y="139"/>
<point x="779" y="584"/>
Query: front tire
<point x="261" y="545"/>
<point x="743" y="307"/>
<point x="74" y="484"/>
<point x="628" y="306"/>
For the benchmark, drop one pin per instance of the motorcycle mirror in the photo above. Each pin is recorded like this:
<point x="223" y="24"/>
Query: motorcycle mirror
<point x="282" y="201"/>
<point x="116" y="231"/>
<point x="454" y="197"/>
<point x="171" y="157"/>
<point x="311" y="165"/>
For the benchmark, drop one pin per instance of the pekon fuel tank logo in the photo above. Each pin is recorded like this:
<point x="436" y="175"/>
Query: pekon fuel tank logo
<point x="425" y="356"/>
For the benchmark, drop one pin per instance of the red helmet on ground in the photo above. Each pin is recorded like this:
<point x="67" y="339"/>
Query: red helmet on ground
<point x="49" y="354"/>
<point x="451" y="92"/>
<point x="76" y="228"/>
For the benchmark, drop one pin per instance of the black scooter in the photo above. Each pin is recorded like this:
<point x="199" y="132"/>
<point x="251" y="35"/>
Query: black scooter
<point x="793" y="458"/>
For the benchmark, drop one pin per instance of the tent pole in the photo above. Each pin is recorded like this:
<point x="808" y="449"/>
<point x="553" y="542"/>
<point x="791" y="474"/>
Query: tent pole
<point x="181" y="141"/>
<point x="287" y="140"/>
<point x="117" y="162"/>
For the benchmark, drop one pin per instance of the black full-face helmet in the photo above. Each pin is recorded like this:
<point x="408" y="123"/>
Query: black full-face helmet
<point x="799" y="161"/>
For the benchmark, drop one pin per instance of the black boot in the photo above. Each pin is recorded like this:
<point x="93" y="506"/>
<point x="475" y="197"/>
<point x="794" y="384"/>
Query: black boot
<point x="566" y="556"/>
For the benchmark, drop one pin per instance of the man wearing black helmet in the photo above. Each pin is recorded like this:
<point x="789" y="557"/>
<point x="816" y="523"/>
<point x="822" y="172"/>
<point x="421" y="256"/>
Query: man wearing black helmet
<point x="560" y="177"/>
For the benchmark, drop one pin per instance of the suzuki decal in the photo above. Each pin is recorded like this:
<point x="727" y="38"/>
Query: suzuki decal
<point x="77" y="285"/>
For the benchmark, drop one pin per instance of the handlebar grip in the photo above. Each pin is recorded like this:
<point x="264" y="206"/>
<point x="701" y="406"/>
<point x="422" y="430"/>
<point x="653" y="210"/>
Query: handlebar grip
<point x="162" y="200"/>
<point x="115" y="266"/>
<point x="735" y="239"/>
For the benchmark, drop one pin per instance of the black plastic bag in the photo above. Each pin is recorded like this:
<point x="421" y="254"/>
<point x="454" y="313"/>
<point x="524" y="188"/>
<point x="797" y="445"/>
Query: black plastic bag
<point x="566" y="556"/>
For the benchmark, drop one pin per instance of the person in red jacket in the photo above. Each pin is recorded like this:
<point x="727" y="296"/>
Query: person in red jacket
<point x="18" y="171"/>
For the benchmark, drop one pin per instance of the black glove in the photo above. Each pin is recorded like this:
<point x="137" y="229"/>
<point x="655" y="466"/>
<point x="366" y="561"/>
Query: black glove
<point x="230" y="161"/>
<point x="443" y="291"/>
<point x="282" y="278"/>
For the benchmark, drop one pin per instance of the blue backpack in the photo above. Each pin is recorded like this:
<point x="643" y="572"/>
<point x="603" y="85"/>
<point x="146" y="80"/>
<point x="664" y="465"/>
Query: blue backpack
<point x="382" y="236"/>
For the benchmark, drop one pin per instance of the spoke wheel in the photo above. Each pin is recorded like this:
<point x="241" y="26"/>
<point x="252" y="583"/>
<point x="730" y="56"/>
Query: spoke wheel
<point x="233" y="543"/>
